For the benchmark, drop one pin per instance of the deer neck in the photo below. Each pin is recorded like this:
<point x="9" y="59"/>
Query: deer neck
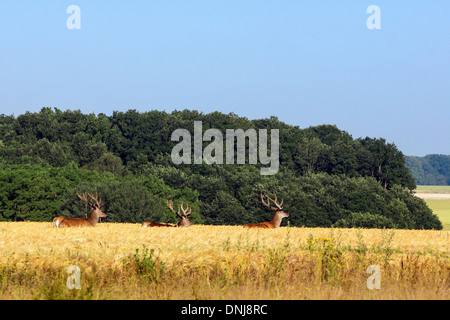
<point x="276" y="221"/>
<point x="93" y="218"/>
<point x="184" y="222"/>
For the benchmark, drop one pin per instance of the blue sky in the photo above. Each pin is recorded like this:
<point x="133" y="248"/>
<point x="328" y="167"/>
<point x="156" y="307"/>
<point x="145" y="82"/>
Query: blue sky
<point x="306" y="62"/>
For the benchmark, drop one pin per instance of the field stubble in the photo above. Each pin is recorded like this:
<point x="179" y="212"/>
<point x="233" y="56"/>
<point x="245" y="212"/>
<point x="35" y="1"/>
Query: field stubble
<point x="125" y="261"/>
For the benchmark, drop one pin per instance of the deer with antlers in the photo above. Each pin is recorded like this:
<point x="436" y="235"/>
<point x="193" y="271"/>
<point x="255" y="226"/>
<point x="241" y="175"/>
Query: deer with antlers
<point x="279" y="214"/>
<point x="183" y="216"/>
<point x="91" y="221"/>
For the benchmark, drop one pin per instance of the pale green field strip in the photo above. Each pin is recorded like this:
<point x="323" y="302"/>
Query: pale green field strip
<point x="438" y="199"/>
<point x="433" y="189"/>
<point x="442" y="209"/>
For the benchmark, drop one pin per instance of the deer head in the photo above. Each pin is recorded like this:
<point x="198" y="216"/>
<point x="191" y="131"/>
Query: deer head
<point x="278" y="206"/>
<point x="95" y="204"/>
<point x="183" y="215"/>
<point x="279" y="214"/>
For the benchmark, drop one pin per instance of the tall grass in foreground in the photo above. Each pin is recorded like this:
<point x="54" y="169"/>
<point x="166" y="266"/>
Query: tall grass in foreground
<point x="124" y="261"/>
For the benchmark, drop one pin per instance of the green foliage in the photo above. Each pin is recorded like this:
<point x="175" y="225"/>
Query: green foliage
<point x="433" y="169"/>
<point x="124" y="201"/>
<point x="385" y="163"/>
<point x="331" y="259"/>
<point x="33" y="191"/>
<point x="365" y="220"/>
<point x="107" y="162"/>
<point x="325" y="175"/>
<point x="148" y="265"/>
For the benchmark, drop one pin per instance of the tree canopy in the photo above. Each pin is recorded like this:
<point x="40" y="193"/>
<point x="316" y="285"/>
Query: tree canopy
<point x="325" y="177"/>
<point x="433" y="169"/>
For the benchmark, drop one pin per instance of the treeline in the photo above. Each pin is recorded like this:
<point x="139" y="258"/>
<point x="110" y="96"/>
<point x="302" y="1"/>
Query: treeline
<point x="433" y="169"/>
<point x="326" y="177"/>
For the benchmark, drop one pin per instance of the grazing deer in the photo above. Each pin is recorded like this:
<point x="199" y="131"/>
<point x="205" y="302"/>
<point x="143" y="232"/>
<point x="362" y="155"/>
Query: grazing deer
<point x="62" y="222"/>
<point x="183" y="216"/>
<point x="279" y="214"/>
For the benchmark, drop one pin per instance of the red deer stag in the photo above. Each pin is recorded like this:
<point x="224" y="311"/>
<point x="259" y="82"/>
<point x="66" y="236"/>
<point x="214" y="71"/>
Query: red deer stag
<point x="276" y="221"/>
<point x="183" y="216"/>
<point x="62" y="222"/>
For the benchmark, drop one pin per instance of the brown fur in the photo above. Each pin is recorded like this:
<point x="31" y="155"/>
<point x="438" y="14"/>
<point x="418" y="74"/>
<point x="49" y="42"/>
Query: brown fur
<point x="183" y="216"/>
<point x="154" y="224"/>
<point x="63" y="222"/>
<point x="276" y="221"/>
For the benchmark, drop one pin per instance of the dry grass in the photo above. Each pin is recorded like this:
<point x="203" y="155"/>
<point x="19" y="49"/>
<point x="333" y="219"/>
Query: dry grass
<point x="125" y="261"/>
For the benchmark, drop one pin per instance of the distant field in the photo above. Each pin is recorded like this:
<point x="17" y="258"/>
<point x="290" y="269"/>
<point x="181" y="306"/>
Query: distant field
<point x="442" y="209"/>
<point x="433" y="188"/>
<point x="438" y="199"/>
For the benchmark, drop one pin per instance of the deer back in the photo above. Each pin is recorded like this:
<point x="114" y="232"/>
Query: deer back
<point x="149" y="224"/>
<point x="264" y="225"/>
<point x="74" y="222"/>
<point x="91" y="221"/>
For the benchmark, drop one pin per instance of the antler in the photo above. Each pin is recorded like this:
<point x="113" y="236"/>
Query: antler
<point x="98" y="202"/>
<point x="84" y="197"/>
<point x="170" y="205"/>
<point x="185" y="213"/>
<point x="275" y="202"/>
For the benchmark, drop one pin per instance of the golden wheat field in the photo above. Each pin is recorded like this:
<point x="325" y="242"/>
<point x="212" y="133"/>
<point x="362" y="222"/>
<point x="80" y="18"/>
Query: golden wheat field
<point x="125" y="261"/>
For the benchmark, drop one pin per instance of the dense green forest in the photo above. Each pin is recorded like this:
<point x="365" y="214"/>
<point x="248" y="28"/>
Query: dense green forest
<point x="325" y="177"/>
<point x="431" y="170"/>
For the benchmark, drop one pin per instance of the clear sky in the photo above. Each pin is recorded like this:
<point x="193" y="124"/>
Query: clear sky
<point x="306" y="62"/>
